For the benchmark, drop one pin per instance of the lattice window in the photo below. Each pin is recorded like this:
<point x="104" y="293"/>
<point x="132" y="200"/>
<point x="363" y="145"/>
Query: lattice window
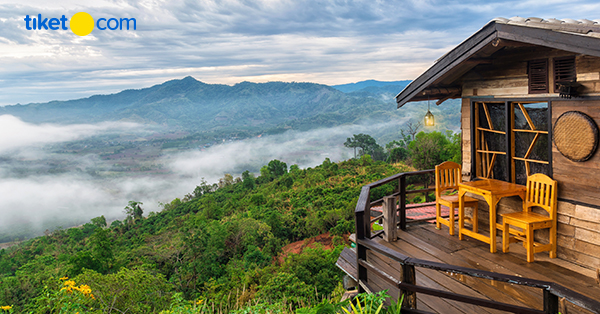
<point x="511" y="143"/>
<point x="490" y="141"/>
<point x="529" y="140"/>
<point x="537" y="71"/>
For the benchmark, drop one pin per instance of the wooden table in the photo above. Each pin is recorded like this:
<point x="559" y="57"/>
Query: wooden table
<point x="492" y="191"/>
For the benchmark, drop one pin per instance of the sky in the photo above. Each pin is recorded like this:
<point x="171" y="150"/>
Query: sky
<point x="230" y="41"/>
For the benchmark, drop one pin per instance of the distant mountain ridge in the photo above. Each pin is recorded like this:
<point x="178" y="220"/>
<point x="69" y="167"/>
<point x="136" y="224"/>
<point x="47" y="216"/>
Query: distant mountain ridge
<point x="373" y="86"/>
<point x="193" y="105"/>
<point x="242" y="110"/>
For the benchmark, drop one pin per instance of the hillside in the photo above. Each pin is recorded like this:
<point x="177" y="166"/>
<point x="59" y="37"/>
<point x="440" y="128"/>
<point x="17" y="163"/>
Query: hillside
<point x="220" y="244"/>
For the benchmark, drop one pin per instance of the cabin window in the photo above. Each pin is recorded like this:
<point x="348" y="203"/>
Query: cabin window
<point x="530" y="140"/>
<point x="490" y="141"/>
<point x="511" y="140"/>
<point x="537" y="72"/>
<point x="564" y="71"/>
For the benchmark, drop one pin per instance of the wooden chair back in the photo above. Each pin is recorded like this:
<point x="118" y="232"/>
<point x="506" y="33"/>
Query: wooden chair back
<point x="447" y="176"/>
<point x="541" y="192"/>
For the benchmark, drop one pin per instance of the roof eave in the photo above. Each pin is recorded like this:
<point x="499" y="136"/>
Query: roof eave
<point x="543" y="37"/>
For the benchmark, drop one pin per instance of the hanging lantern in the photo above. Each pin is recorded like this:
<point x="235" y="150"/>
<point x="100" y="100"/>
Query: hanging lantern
<point x="429" y="119"/>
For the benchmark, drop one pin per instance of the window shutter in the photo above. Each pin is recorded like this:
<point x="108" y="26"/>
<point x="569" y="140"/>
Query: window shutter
<point x="564" y="71"/>
<point x="538" y="76"/>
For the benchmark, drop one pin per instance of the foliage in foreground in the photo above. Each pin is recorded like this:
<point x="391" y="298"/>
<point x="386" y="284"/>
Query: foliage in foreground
<point x="221" y="243"/>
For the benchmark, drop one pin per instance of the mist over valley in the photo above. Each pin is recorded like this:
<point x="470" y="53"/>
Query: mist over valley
<point x="63" y="163"/>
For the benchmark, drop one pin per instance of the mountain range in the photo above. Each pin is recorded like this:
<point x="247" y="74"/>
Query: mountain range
<point x="251" y="108"/>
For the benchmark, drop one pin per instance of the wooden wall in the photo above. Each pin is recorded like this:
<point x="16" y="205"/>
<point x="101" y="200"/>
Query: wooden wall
<point x="507" y="75"/>
<point x="579" y="182"/>
<point x="465" y="126"/>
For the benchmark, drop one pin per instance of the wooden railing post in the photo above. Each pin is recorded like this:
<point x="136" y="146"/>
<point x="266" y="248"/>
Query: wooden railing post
<point x="363" y="231"/>
<point x="409" y="276"/>
<point x="361" y="250"/>
<point x="402" y="209"/>
<point x="550" y="302"/>
<point x="389" y="219"/>
<point x="425" y="186"/>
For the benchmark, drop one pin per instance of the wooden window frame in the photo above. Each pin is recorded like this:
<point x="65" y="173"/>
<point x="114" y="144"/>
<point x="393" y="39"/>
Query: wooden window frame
<point x="509" y="136"/>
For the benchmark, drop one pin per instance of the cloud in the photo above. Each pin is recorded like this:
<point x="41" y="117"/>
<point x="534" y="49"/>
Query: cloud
<point x="219" y="41"/>
<point x="18" y="134"/>
<point x="43" y="200"/>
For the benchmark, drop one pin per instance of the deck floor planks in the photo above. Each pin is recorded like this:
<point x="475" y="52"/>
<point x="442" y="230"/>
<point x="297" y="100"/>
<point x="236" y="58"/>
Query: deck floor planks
<point x="433" y="304"/>
<point x="522" y="268"/>
<point x="425" y="242"/>
<point x="546" y="270"/>
<point x="437" y="304"/>
<point x="516" y="259"/>
<point x="486" y="287"/>
<point x="453" y="284"/>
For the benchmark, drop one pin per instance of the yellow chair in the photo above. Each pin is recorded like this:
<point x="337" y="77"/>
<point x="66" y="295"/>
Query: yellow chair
<point x="541" y="192"/>
<point x="447" y="177"/>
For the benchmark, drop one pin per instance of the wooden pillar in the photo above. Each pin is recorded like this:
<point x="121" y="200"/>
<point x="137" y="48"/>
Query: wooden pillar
<point x="409" y="276"/>
<point x="402" y="210"/>
<point x="550" y="302"/>
<point x="389" y="219"/>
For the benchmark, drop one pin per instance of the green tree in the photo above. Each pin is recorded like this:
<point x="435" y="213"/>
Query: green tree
<point x="431" y="149"/>
<point x="134" y="210"/>
<point x="367" y="145"/>
<point x="102" y="250"/>
<point x="248" y="180"/>
<point x="277" y="168"/>
<point x="99" y="221"/>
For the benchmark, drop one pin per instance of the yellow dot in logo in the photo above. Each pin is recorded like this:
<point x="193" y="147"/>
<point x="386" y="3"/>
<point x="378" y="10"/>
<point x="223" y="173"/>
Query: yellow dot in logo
<point x="82" y="23"/>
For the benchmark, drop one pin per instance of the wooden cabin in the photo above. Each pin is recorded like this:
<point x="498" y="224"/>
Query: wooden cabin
<point x="522" y="75"/>
<point x="530" y="91"/>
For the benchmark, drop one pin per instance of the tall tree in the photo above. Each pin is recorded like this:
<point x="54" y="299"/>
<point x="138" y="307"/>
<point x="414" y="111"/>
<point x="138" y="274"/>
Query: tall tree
<point x="134" y="210"/>
<point x="367" y="144"/>
<point x="411" y="128"/>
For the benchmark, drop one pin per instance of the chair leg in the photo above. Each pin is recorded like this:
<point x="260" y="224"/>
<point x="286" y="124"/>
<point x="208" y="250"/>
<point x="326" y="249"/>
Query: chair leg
<point x="451" y="220"/>
<point x="505" y="237"/>
<point x="553" y="242"/>
<point x="438" y="216"/>
<point x="529" y="240"/>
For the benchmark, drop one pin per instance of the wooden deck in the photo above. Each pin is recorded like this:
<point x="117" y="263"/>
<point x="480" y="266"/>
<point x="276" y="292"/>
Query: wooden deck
<point x="425" y="242"/>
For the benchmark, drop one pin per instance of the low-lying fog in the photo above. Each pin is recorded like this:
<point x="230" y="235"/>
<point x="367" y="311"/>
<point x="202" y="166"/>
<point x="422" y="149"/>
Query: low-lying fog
<point x="33" y="201"/>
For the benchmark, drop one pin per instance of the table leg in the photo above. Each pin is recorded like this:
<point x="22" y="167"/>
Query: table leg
<point x="492" y="202"/>
<point x="461" y="213"/>
<point x="505" y="236"/>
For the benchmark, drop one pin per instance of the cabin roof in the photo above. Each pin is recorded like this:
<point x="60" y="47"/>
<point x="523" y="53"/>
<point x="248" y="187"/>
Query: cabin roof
<point x="442" y="80"/>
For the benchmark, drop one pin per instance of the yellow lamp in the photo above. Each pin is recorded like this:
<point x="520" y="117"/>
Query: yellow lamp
<point x="429" y="119"/>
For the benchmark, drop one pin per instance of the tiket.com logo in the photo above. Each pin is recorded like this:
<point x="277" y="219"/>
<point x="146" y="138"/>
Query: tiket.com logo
<point x="81" y="23"/>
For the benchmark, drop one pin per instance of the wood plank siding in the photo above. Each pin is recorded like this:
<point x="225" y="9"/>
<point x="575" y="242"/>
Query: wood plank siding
<point x="579" y="182"/>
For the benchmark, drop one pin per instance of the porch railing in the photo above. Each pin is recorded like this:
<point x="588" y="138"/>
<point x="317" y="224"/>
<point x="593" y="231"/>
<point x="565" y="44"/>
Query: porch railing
<point x="408" y="285"/>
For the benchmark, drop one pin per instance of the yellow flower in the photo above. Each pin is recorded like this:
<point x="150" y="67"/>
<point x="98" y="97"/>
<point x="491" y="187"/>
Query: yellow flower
<point x="64" y="278"/>
<point x="6" y="307"/>
<point x="85" y="289"/>
<point x="199" y="302"/>
<point x="69" y="283"/>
